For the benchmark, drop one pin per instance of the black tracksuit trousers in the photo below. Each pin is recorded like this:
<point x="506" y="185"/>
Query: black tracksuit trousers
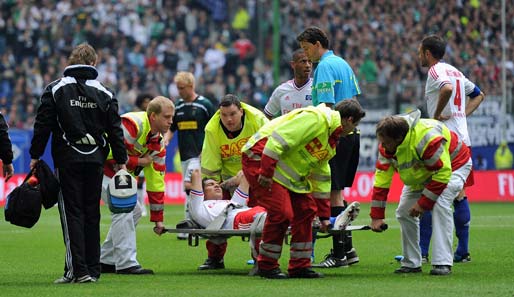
<point x="79" y="209"/>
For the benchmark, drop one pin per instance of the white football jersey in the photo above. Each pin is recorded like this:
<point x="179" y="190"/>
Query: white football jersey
<point x="439" y="75"/>
<point x="204" y="212"/>
<point x="287" y="97"/>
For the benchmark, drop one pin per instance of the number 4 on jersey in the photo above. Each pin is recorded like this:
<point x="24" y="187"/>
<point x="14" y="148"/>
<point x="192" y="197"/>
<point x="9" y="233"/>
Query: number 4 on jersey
<point x="458" y="98"/>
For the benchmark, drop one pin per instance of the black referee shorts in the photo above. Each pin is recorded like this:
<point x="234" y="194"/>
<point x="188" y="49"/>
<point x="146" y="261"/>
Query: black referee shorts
<point x="344" y="164"/>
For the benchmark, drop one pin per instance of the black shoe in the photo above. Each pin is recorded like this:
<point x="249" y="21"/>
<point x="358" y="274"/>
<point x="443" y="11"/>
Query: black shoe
<point x="272" y="274"/>
<point x="305" y="273"/>
<point x="352" y="257"/>
<point x="331" y="262"/>
<point x="461" y="259"/>
<point x="135" y="270"/>
<point x="405" y="269"/>
<point x="441" y="270"/>
<point x="107" y="268"/>
<point x="211" y="263"/>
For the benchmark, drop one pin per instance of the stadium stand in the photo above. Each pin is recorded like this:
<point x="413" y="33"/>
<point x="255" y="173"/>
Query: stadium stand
<point x="227" y="45"/>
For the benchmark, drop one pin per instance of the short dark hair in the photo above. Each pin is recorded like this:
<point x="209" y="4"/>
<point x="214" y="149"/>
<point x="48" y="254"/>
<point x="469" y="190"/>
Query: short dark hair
<point x="350" y="108"/>
<point x="313" y="35"/>
<point x="230" y="99"/>
<point x="435" y="45"/>
<point x="204" y="181"/>
<point x="140" y="99"/>
<point x="393" y="127"/>
<point x="296" y="54"/>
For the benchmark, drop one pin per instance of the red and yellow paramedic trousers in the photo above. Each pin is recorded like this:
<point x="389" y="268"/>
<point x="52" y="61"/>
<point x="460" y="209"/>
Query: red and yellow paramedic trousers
<point x="285" y="208"/>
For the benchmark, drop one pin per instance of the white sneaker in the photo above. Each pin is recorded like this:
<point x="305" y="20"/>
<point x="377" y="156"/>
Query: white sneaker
<point x="85" y="279"/>
<point x="347" y="216"/>
<point x="182" y="236"/>
<point x="64" y="280"/>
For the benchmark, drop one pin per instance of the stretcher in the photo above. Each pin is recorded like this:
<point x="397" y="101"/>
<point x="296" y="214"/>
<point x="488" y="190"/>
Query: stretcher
<point x="194" y="234"/>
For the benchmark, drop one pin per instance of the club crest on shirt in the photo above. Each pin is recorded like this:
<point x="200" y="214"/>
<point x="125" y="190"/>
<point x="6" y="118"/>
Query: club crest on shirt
<point x="315" y="148"/>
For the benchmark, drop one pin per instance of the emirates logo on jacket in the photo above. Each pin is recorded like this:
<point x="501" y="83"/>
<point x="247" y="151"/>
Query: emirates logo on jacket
<point x="82" y="102"/>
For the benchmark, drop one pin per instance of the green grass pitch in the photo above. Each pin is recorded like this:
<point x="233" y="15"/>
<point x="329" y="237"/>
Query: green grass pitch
<point x="30" y="259"/>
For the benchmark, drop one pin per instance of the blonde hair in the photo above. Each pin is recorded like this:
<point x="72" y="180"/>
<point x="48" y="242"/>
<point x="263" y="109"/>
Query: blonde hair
<point x="83" y="54"/>
<point x="157" y="104"/>
<point x="185" y="77"/>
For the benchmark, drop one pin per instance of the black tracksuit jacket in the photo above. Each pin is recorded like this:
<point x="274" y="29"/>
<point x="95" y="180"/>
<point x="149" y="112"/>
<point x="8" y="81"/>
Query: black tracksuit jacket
<point x="73" y="107"/>
<point x="5" y="143"/>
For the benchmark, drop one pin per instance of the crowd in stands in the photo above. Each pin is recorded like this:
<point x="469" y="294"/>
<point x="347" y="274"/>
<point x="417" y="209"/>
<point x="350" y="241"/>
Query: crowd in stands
<point x="228" y="45"/>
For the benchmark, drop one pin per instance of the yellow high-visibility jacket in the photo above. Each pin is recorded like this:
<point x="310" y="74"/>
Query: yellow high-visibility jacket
<point x="300" y="146"/>
<point x="425" y="160"/>
<point x="221" y="156"/>
<point x="140" y="141"/>
<point x="503" y="157"/>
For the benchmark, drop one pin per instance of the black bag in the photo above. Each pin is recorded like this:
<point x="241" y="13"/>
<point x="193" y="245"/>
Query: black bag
<point x="49" y="185"/>
<point x="23" y="205"/>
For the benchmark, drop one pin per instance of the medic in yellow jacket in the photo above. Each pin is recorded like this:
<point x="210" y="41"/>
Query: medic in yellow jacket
<point x="225" y="134"/>
<point x="425" y="158"/>
<point x="146" y="151"/>
<point x="286" y="165"/>
<point x="296" y="149"/>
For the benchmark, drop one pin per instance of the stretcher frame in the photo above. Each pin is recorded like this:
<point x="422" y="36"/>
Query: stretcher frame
<point x="195" y="234"/>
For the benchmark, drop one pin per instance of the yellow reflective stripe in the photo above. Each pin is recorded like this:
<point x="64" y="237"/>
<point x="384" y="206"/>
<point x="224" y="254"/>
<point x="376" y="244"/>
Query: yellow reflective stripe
<point x="321" y="195"/>
<point x="377" y="203"/>
<point x="430" y="195"/>
<point x="394" y="163"/>
<point x="383" y="160"/>
<point x="286" y="182"/>
<point x="301" y="250"/>
<point x="436" y="130"/>
<point x="270" y="250"/>
<point x="271" y="247"/>
<point x="138" y="146"/>
<point x="159" y="160"/>
<point x="290" y="171"/>
<point x="130" y="138"/>
<point x="436" y="156"/>
<point x="319" y="177"/>
<point x="300" y="254"/>
<point x="406" y="165"/>
<point x="156" y="207"/>
<point x="272" y="154"/>
<point x="301" y="245"/>
<point x="456" y="151"/>
<point x="269" y="254"/>
<point x="253" y="156"/>
<point x="280" y="140"/>
<point x="139" y="123"/>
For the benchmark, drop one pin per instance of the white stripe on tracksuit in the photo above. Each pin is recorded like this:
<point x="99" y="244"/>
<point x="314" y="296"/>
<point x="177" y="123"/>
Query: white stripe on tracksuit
<point x="62" y="213"/>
